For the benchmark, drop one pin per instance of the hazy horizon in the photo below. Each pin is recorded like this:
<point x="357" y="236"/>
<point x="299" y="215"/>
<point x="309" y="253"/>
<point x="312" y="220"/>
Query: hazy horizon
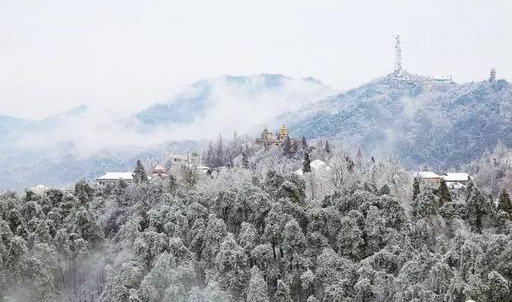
<point x="127" y="55"/>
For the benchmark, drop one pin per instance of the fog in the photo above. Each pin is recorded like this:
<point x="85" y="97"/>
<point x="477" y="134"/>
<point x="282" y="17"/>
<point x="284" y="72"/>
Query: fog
<point x="125" y="55"/>
<point x="229" y="107"/>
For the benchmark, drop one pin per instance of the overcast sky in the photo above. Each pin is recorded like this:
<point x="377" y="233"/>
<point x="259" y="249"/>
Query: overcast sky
<point x="126" y="55"/>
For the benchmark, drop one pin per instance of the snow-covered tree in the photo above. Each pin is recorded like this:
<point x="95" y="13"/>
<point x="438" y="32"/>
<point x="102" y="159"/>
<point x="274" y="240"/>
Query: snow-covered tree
<point x="257" y="290"/>
<point x="139" y="174"/>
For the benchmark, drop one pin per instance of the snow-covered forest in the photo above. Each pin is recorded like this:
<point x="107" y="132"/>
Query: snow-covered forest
<point x="364" y="230"/>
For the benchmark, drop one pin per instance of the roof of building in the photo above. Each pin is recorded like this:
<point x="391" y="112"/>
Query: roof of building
<point x="158" y="168"/>
<point x="426" y="174"/>
<point x="456" y="177"/>
<point x="448" y="177"/>
<point x="315" y="165"/>
<point x="283" y="130"/>
<point x="116" y="176"/>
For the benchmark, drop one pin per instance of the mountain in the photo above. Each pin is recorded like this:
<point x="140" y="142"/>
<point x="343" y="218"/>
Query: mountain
<point x="13" y="128"/>
<point x="61" y="166"/>
<point x="10" y="128"/>
<point x="421" y="120"/>
<point x="252" y="98"/>
<point x="48" y="151"/>
<point x="84" y="142"/>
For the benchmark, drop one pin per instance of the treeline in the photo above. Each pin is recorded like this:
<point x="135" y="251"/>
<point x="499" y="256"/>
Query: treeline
<point x="259" y="237"/>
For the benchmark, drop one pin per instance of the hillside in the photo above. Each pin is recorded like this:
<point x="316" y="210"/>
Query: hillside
<point x="84" y="142"/>
<point x="441" y="125"/>
<point x="259" y="235"/>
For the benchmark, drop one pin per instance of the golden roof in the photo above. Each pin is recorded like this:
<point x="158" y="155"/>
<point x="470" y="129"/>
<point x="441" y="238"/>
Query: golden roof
<point x="283" y="130"/>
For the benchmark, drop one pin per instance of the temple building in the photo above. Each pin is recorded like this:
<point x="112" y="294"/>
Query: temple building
<point x="114" y="177"/>
<point x="159" y="171"/>
<point x="267" y="138"/>
<point x="453" y="180"/>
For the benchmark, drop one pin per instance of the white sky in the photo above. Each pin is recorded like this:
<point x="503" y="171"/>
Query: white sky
<point x="128" y="54"/>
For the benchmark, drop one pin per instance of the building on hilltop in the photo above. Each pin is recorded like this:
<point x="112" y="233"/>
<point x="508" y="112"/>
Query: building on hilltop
<point x="456" y="180"/>
<point x="268" y="139"/>
<point x="429" y="176"/>
<point x="453" y="180"/>
<point x="159" y="171"/>
<point x="190" y="161"/>
<point x="113" y="177"/>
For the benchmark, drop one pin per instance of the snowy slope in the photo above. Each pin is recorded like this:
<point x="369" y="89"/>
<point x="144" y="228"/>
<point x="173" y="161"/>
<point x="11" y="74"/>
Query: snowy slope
<point x="85" y="142"/>
<point x="443" y="126"/>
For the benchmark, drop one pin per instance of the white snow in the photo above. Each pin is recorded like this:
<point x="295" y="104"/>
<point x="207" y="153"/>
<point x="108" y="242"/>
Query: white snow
<point x="116" y="176"/>
<point x="426" y="174"/>
<point x="316" y="165"/>
<point x="39" y="189"/>
<point x="456" y="177"/>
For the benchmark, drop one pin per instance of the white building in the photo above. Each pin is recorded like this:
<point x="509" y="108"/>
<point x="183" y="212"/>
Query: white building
<point x="112" y="177"/>
<point x="453" y="180"/>
<point x="429" y="176"/>
<point x="159" y="171"/>
<point x="456" y="180"/>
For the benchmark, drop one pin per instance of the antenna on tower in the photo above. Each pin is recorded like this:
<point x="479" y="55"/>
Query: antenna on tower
<point x="398" y="56"/>
<point x="492" y="76"/>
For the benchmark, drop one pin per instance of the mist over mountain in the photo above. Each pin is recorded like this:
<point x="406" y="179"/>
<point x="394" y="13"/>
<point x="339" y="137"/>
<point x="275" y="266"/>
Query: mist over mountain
<point x="234" y="102"/>
<point x="420" y="120"/>
<point x="86" y="141"/>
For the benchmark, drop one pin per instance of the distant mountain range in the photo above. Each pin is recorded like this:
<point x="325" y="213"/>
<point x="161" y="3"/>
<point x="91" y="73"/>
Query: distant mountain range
<point x="418" y="119"/>
<point x="13" y="128"/>
<point x="241" y="101"/>
<point x="422" y="121"/>
<point x="84" y="143"/>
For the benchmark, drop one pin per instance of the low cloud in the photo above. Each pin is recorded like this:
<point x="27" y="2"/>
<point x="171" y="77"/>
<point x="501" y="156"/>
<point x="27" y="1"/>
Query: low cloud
<point x="230" y="107"/>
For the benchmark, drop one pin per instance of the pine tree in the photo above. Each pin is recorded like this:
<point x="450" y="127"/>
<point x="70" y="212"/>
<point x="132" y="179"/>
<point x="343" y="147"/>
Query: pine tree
<point x="504" y="202"/>
<point x="139" y="175"/>
<point x="84" y="192"/>
<point x="479" y="210"/>
<point x="312" y="299"/>
<point x="415" y="188"/>
<point x="282" y="293"/>
<point x="307" y="163"/>
<point x="327" y="148"/>
<point x="443" y="192"/>
<point x="231" y="263"/>
<point x="359" y="156"/>
<point x="304" y="143"/>
<point x="209" y="157"/>
<point x="257" y="289"/>
<point x="287" y="147"/>
<point x="219" y="153"/>
<point x="245" y="161"/>
<point x="172" y="184"/>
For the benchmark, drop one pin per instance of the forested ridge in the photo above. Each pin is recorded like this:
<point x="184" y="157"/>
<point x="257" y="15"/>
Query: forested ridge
<point x="365" y="232"/>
